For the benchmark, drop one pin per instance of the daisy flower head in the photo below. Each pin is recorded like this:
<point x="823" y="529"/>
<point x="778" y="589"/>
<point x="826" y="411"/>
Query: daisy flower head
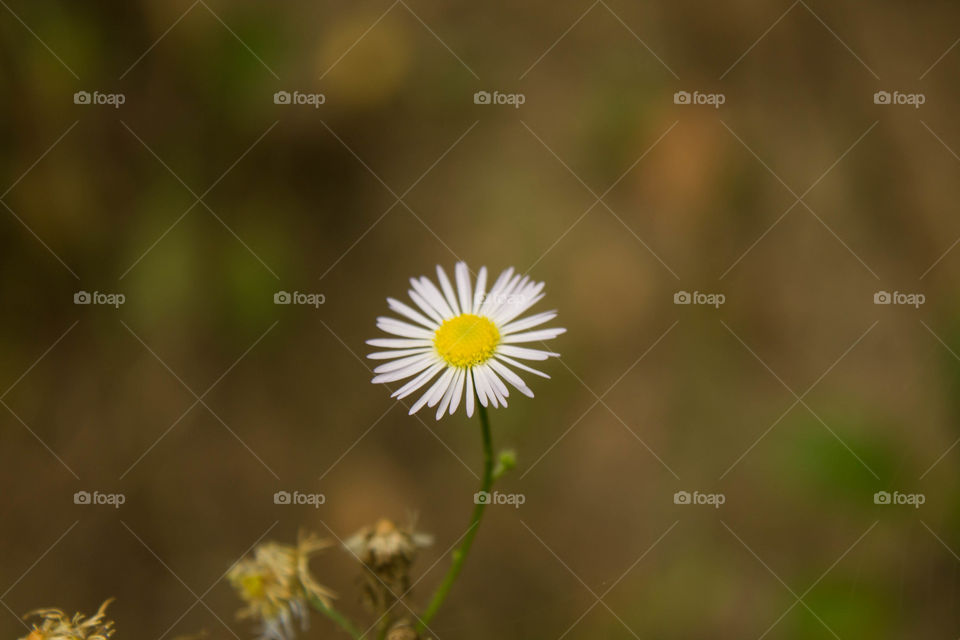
<point x="463" y="341"/>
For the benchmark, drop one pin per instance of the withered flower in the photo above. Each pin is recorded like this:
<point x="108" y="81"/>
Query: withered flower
<point x="387" y="551"/>
<point x="276" y="586"/>
<point x="55" y="625"/>
<point x="403" y="630"/>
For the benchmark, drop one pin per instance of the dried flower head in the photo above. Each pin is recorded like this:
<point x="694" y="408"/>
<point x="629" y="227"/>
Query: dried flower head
<point x="54" y="625"/>
<point x="403" y="630"/>
<point x="387" y="551"/>
<point x="276" y="585"/>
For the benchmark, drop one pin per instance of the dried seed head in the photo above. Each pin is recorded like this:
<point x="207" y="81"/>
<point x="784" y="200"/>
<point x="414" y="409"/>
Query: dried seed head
<point x="54" y="625"/>
<point x="385" y="544"/>
<point x="403" y="630"/>
<point x="276" y="585"/>
<point x="387" y="551"/>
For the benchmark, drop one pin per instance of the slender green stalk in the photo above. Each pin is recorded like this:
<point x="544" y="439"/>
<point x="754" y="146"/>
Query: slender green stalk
<point x="384" y="627"/>
<point x="460" y="555"/>
<point x="336" y="616"/>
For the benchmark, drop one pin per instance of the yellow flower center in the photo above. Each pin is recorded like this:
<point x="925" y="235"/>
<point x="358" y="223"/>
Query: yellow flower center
<point x="466" y="340"/>
<point x="252" y="587"/>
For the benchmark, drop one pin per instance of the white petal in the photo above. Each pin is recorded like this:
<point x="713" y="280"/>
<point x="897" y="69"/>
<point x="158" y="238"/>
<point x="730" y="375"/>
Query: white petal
<point x="493" y="386"/>
<point x="412" y="314"/>
<point x="502" y="279"/>
<point x="458" y="390"/>
<point x="504" y="297"/>
<point x="393" y="365"/>
<point x="437" y="390"/>
<point x="516" y="285"/>
<point x="497" y="384"/>
<point x="479" y="386"/>
<point x="418" y="382"/>
<point x="478" y="294"/>
<point x="532" y="336"/>
<point x="507" y="314"/>
<point x="469" y="397"/>
<point x="462" y="275"/>
<point x="440" y="388"/>
<point x="448" y="294"/>
<point x="531" y="289"/>
<point x="436" y="296"/>
<point x="429" y="291"/>
<point x="396" y="353"/>
<point x="397" y="343"/>
<point x="522" y="297"/>
<point x="520" y="365"/>
<point x="488" y="300"/>
<point x="510" y="376"/>
<point x="481" y="376"/>
<point x="520" y="302"/>
<point x="404" y="329"/>
<point x="455" y="384"/>
<point x="404" y="372"/>
<point x="528" y="322"/>
<point x="425" y="306"/>
<point x="525" y="354"/>
<point x="420" y="402"/>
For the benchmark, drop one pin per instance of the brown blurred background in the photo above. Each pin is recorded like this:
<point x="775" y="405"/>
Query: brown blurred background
<point x="305" y="199"/>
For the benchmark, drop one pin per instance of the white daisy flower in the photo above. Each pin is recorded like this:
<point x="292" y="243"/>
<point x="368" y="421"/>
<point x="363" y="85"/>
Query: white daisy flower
<point x="467" y="336"/>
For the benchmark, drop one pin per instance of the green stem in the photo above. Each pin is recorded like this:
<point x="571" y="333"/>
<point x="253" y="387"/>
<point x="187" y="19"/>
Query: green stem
<point x="336" y="616"/>
<point x="384" y="627"/>
<point x="460" y="555"/>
